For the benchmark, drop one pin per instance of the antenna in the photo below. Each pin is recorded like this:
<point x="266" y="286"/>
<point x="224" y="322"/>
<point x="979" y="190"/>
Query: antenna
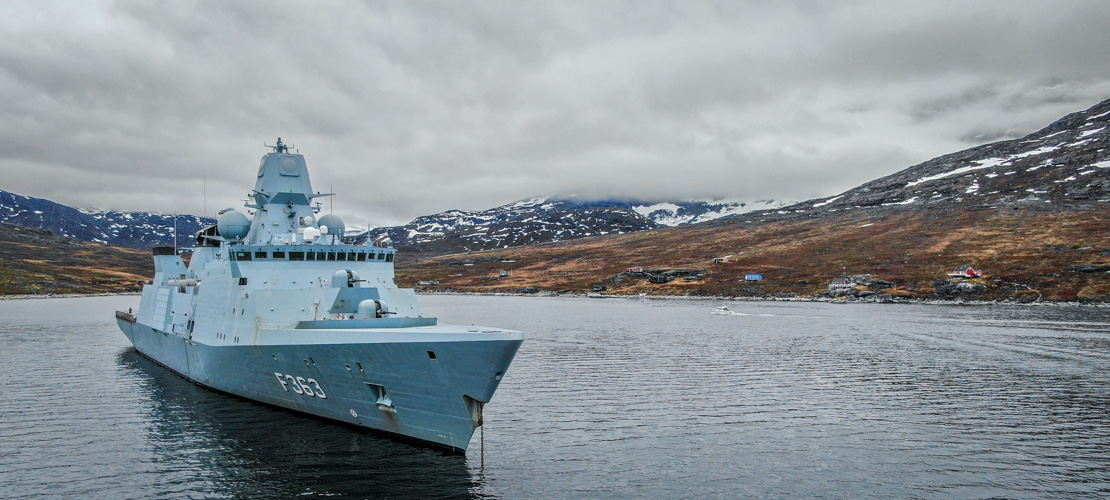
<point x="204" y="189"/>
<point x="331" y="199"/>
<point x="279" y="147"/>
<point x="175" y="232"/>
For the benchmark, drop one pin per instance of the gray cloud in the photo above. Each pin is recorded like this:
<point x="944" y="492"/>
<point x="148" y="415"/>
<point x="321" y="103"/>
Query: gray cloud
<point x="409" y="108"/>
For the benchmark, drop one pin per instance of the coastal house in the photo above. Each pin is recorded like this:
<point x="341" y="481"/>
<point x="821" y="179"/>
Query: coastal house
<point x="753" y="277"/>
<point x="637" y="269"/>
<point x="966" y="272"/>
<point x="504" y="273"/>
<point x="840" y="285"/>
<point x="721" y="260"/>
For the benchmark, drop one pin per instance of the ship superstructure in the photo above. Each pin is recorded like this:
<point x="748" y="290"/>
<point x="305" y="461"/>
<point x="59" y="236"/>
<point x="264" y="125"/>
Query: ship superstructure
<point x="276" y="308"/>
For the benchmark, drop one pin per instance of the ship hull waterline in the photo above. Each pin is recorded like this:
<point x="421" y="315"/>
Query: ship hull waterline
<point x="423" y="389"/>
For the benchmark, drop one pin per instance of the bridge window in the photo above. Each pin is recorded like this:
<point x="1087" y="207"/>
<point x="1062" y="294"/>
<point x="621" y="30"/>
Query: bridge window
<point x="260" y="255"/>
<point x="381" y="256"/>
<point x="279" y="255"/>
<point x="331" y="255"/>
<point x="310" y="256"/>
<point x="389" y="258"/>
<point x="321" y="256"/>
<point x="242" y="255"/>
<point x="341" y="256"/>
<point x="296" y="255"/>
<point x="362" y="256"/>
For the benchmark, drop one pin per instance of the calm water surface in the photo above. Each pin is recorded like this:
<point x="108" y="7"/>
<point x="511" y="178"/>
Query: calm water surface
<point x="607" y="398"/>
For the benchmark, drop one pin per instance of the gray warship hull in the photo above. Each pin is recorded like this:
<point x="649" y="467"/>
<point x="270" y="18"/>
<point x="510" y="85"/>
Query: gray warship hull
<point x="280" y="310"/>
<point x="437" y="401"/>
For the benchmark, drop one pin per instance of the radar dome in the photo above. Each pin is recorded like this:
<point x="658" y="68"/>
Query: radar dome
<point x="233" y="225"/>
<point x="334" y="224"/>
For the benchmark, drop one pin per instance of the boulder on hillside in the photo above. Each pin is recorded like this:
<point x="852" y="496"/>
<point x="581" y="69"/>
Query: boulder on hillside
<point x="946" y="289"/>
<point x="1089" y="268"/>
<point x="862" y="285"/>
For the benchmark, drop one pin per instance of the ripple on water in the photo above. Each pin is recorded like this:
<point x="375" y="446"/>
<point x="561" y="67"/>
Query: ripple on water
<point x="606" y="398"/>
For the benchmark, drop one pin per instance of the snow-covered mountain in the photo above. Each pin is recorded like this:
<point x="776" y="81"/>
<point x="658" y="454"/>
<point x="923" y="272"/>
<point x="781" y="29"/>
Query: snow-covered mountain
<point x="538" y="220"/>
<point x="133" y="229"/>
<point x="1064" y="166"/>
<point x="546" y="219"/>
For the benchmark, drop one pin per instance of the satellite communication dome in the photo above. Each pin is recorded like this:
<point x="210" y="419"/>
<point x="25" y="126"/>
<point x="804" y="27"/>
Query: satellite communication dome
<point x="233" y="225"/>
<point x="335" y="224"/>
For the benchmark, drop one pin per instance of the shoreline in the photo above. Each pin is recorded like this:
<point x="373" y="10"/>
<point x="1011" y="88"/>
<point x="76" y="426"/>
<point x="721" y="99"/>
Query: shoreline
<point x="866" y="300"/>
<point x="64" y="295"/>
<point x="579" y="295"/>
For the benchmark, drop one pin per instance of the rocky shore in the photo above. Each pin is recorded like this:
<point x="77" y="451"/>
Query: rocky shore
<point x="846" y="299"/>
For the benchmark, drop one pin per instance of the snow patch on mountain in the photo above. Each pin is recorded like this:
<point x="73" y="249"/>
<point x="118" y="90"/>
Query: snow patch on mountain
<point x="693" y="212"/>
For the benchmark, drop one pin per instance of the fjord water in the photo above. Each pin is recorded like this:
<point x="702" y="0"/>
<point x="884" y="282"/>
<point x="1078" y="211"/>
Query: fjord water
<point x="607" y="398"/>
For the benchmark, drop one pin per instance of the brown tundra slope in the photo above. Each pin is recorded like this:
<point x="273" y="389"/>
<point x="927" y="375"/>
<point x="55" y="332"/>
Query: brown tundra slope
<point x="1031" y="212"/>
<point x="1062" y="256"/>
<point x="35" y="262"/>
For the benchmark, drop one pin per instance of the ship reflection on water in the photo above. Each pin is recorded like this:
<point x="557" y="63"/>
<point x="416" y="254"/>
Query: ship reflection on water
<point x="246" y="449"/>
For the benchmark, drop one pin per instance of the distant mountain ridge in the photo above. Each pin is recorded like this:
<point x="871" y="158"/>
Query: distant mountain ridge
<point x="130" y="229"/>
<point x="1063" y="166"/>
<point x="544" y="220"/>
<point x="538" y="220"/>
<point x="525" y="222"/>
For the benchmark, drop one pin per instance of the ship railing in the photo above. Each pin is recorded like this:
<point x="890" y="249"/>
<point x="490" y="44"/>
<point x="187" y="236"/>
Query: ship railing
<point x="127" y="316"/>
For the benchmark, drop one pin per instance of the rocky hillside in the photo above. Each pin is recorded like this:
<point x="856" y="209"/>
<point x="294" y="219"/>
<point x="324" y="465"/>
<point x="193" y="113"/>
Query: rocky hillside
<point x="1062" y="256"/>
<point x="35" y="262"/>
<point x="1032" y="212"/>
<point x="131" y="229"/>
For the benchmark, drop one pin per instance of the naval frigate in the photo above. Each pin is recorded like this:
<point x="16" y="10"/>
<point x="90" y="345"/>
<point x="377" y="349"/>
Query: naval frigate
<point x="278" y="309"/>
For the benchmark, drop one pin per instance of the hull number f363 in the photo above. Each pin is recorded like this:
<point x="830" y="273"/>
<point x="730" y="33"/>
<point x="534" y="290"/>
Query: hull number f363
<point x="300" y="385"/>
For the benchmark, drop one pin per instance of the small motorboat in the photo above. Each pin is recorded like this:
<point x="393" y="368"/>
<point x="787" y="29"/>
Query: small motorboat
<point x="724" y="311"/>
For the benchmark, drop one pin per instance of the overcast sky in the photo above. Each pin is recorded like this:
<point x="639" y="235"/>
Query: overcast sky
<point x="411" y="108"/>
